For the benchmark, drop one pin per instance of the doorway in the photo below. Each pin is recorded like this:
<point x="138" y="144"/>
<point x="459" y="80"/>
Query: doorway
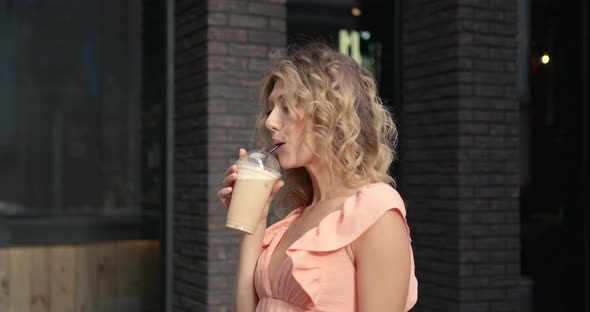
<point x="555" y="145"/>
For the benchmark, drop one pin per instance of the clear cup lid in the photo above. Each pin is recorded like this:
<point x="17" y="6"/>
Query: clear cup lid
<point x="263" y="161"/>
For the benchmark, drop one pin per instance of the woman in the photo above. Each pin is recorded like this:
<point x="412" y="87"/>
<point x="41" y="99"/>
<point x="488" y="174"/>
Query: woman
<point x="344" y="245"/>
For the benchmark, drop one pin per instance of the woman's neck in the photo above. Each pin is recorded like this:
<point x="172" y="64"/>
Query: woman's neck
<point x="326" y="185"/>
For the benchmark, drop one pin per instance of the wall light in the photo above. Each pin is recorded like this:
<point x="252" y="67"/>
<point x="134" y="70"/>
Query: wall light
<point x="356" y="11"/>
<point x="545" y="58"/>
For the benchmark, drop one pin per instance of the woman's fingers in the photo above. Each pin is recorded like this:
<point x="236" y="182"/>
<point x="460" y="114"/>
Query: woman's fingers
<point x="230" y="180"/>
<point x="224" y="192"/>
<point x="225" y="196"/>
<point x="231" y="169"/>
<point x="231" y="174"/>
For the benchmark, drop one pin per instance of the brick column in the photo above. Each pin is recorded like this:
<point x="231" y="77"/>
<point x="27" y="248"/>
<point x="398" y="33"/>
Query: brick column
<point x="460" y="136"/>
<point x="222" y="49"/>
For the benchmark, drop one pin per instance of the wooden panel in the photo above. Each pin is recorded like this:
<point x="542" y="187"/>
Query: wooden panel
<point x="62" y="275"/>
<point x="128" y="276"/>
<point x="122" y="276"/>
<point x="152" y="275"/>
<point x="40" y="291"/>
<point x="106" y="271"/>
<point x="20" y="280"/>
<point x="4" y="279"/>
<point x="86" y="279"/>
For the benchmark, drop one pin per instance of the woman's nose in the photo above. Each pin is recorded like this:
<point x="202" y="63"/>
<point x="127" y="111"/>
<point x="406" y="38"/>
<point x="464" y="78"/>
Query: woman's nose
<point x="272" y="123"/>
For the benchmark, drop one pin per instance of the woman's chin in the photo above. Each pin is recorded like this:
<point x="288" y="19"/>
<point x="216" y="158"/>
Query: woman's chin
<point x="285" y="165"/>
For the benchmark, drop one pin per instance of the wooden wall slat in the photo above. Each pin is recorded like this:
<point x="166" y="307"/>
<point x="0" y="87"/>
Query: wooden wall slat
<point x="128" y="276"/>
<point x="86" y="279"/>
<point x="152" y="275"/>
<point x="20" y="279"/>
<point x="62" y="276"/>
<point x="106" y="272"/>
<point x="4" y="279"/>
<point x="40" y="291"/>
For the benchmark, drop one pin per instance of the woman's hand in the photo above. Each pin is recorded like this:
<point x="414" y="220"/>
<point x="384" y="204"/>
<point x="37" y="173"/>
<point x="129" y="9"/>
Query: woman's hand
<point x="227" y="185"/>
<point x="231" y="175"/>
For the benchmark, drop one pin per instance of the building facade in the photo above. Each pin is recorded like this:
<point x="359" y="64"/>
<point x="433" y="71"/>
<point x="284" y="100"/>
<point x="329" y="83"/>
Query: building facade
<point x="117" y="122"/>
<point x="457" y="76"/>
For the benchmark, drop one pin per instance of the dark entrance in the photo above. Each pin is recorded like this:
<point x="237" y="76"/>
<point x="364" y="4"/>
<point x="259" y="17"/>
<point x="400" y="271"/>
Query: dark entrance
<point x="555" y="140"/>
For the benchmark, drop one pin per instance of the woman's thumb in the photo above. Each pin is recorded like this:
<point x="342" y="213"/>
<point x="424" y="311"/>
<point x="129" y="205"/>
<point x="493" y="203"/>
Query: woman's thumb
<point x="275" y="189"/>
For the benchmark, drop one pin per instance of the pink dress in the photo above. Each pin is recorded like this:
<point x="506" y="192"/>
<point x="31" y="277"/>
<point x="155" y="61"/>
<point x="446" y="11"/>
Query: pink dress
<point x="317" y="274"/>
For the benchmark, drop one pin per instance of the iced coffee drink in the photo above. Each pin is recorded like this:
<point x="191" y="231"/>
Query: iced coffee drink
<point x="256" y="178"/>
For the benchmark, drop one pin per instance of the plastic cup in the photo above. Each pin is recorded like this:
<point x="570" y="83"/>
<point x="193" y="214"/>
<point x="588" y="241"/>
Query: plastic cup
<point x="256" y="178"/>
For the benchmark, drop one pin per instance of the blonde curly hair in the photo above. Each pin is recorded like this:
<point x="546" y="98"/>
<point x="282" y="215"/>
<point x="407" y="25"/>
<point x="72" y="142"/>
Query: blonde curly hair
<point x="343" y="111"/>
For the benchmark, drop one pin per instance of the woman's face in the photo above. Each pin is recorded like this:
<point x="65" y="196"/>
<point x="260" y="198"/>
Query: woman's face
<point x="287" y="128"/>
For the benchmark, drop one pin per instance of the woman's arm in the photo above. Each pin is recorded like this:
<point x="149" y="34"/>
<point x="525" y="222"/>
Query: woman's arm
<point x="383" y="260"/>
<point x="245" y="298"/>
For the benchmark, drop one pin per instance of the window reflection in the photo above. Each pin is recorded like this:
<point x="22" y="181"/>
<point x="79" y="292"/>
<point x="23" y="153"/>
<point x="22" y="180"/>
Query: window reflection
<point x="79" y="134"/>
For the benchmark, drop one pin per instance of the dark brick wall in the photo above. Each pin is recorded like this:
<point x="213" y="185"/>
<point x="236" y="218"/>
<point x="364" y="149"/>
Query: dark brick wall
<point x="460" y="165"/>
<point x="190" y="157"/>
<point x="222" y="49"/>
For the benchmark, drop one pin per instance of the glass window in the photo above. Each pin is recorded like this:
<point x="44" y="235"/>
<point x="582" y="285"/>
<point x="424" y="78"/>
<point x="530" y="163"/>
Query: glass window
<point x="83" y="90"/>
<point x="82" y="85"/>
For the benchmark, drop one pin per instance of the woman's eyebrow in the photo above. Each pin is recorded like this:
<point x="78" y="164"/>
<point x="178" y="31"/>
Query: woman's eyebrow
<point x="271" y="101"/>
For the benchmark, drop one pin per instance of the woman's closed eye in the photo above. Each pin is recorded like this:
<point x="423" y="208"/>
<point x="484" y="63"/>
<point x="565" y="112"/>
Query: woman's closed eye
<point x="284" y="107"/>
